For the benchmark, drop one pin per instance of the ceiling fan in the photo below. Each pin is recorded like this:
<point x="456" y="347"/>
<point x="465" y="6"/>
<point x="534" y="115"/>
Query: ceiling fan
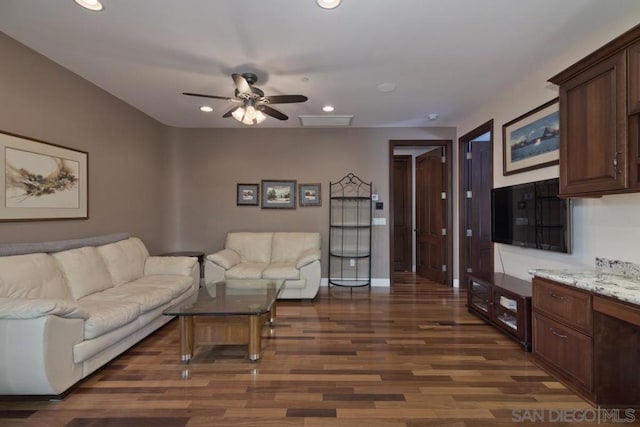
<point x="252" y="107"/>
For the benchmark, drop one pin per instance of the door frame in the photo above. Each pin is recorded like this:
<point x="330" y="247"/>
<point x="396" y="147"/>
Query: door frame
<point x="446" y="144"/>
<point x="463" y="168"/>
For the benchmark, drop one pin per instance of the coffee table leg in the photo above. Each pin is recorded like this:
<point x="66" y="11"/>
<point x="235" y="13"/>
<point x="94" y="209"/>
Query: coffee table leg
<point x="186" y="338"/>
<point x="272" y="313"/>
<point x="255" y="337"/>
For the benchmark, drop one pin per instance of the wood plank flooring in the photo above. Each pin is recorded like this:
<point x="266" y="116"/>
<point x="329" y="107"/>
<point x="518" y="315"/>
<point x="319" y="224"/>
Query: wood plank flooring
<point x="407" y="356"/>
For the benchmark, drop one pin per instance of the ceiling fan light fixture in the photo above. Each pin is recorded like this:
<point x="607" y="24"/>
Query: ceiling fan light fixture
<point x="249" y="115"/>
<point x="328" y="108"/>
<point x="328" y="4"/>
<point x="93" y="5"/>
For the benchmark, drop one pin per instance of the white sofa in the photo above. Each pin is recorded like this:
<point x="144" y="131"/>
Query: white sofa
<point x="66" y="312"/>
<point x="292" y="256"/>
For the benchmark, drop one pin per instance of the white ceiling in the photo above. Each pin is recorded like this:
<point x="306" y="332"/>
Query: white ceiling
<point x="445" y="56"/>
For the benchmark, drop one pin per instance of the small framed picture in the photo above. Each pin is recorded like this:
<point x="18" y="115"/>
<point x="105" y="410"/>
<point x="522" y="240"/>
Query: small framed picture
<point x="277" y="194"/>
<point x="247" y="194"/>
<point x="310" y="195"/>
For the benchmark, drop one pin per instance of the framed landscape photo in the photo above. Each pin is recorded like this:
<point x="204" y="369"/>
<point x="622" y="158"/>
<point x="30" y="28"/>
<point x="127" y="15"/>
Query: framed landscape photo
<point x="532" y="140"/>
<point x="41" y="181"/>
<point x="277" y="194"/>
<point x="248" y="195"/>
<point x="310" y="195"/>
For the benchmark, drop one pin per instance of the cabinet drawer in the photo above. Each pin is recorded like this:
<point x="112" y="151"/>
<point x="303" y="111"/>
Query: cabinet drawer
<point x="564" y="304"/>
<point x="569" y="351"/>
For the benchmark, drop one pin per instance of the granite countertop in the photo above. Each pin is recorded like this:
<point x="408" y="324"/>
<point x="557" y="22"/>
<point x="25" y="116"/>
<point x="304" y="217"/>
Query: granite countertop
<point x="615" y="279"/>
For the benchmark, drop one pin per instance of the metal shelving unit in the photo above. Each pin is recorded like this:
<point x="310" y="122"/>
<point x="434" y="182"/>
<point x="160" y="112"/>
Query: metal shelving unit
<point x="350" y="219"/>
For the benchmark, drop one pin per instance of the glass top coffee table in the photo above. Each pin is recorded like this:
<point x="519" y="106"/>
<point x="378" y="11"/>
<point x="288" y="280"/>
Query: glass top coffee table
<point x="228" y="312"/>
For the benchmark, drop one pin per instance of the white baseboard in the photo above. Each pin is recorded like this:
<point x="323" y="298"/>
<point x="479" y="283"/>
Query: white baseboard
<point x="379" y="283"/>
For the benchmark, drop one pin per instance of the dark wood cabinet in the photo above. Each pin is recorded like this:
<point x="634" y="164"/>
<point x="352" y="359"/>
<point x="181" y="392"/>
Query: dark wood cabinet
<point x="634" y="78"/>
<point x="599" y="107"/>
<point x="504" y="301"/>
<point x="563" y="334"/>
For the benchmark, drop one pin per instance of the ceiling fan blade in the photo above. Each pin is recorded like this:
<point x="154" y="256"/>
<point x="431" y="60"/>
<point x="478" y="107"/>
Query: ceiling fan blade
<point x="285" y="99"/>
<point x="241" y="83"/>
<point x="230" y="112"/>
<point x="272" y="112"/>
<point x="207" y="96"/>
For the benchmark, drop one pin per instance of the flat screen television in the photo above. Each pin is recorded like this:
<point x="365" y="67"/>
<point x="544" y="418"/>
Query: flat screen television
<point x="532" y="216"/>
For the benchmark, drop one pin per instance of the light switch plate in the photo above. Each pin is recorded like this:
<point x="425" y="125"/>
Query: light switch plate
<point x="379" y="221"/>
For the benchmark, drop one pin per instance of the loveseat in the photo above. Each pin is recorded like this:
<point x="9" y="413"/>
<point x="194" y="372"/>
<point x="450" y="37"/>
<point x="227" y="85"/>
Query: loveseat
<point x="67" y="308"/>
<point x="293" y="256"/>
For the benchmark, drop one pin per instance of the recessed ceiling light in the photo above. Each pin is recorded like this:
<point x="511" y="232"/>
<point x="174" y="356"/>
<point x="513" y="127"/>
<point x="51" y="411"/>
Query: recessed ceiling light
<point x="206" y="109"/>
<point x="433" y="116"/>
<point x="328" y="4"/>
<point x="94" y="5"/>
<point x="387" y="87"/>
<point x="328" y="108"/>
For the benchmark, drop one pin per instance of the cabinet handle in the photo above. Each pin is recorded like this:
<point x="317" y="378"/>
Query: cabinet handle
<point x="557" y="334"/>
<point x="556" y="296"/>
<point x="615" y="161"/>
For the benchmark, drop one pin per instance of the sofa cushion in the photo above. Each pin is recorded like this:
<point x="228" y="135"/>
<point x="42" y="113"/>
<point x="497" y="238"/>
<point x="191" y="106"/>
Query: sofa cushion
<point x="252" y="247"/>
<point x="105" y="316"/>
<point x="32" y="308"/>
<point x="124" y="259"/>
<point x="174" y="265"/>
<point x="147" y="297"/>
<point x="288" y="246"/>
<point x="175" y="283"/>
<point x="281" y="270"/>
<point x="225" y="258"/>
<point x="246" y="270"/>
<point x="32" y="276"/>
<point x="84" y="270"/>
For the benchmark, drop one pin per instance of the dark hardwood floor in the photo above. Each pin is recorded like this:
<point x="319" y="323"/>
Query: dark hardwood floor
<point x="407" y="356"/>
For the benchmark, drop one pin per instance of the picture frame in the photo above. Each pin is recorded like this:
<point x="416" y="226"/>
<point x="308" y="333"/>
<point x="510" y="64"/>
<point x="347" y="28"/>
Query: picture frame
<point x="532" y="141"/>
<point x="42" y="181"/>
<point x="310" y="195"/>
<point x="278" y="194"/>
<point x="248" y="194"/>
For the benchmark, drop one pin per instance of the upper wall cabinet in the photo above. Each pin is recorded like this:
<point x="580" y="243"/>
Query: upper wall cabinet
<point x="599" y="114"/>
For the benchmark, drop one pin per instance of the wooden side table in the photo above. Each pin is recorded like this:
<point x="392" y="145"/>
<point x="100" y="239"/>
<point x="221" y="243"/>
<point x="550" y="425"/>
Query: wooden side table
<point x="196" y="254"/>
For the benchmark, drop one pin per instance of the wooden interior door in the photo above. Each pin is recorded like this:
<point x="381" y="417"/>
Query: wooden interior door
<point x="402" y="210"/>
<point x="481" y="259"/>
<point x="430" y="219"/>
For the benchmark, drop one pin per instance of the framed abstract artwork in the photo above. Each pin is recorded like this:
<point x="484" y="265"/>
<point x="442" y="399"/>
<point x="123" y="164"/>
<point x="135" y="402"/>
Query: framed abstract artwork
<point x="532" y="140"/>
<point x="41" y="181"/>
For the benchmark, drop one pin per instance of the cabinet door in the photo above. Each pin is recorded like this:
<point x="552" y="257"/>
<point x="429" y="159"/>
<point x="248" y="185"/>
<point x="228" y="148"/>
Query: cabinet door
<point x="634" y="78"/>
<point x="480" y="296"/>
<point x="567" y="350"/>
<point x="593" y="128"/>
<point x="634" y="121"/>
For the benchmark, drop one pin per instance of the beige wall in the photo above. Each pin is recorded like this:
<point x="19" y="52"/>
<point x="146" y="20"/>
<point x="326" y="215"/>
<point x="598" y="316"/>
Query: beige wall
<point x="208" y="164"/>
<point x="44" y="101"/>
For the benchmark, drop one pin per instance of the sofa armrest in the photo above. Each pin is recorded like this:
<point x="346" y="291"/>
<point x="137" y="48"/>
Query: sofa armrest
<point x="225" y="258"/>
<point x="32" y="308"/>
<point x="307" y="257"/>
<point x="179" y="265"/>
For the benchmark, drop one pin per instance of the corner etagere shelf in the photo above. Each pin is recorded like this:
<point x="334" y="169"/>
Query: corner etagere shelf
<point x="350" y="232"/>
